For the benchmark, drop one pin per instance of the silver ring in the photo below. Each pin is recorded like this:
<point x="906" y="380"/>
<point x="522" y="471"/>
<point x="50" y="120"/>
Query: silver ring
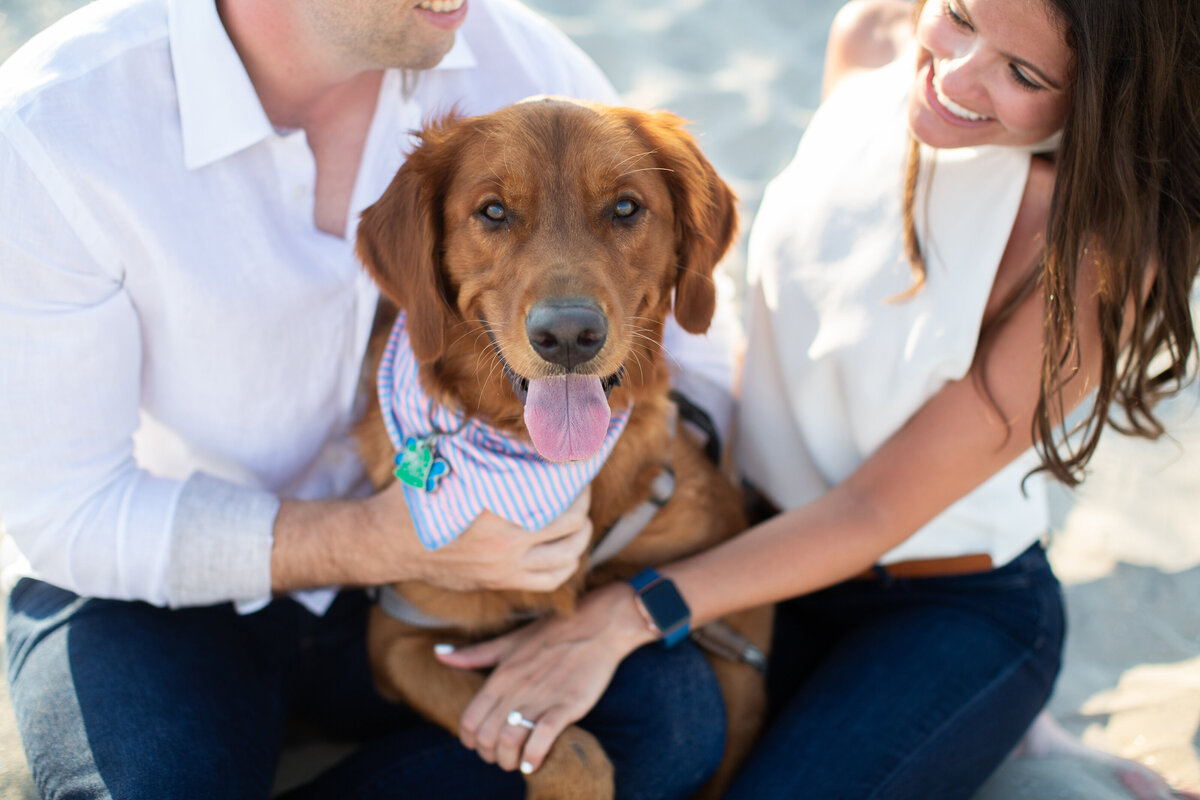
<point x="518" y="720"/>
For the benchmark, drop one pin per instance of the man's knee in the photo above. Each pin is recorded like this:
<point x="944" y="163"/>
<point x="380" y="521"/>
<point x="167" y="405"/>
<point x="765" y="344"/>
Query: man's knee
<point x="673" y="717"/>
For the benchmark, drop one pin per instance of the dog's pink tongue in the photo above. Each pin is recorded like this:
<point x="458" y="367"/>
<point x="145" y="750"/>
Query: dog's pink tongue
<point x="567" y="416"/>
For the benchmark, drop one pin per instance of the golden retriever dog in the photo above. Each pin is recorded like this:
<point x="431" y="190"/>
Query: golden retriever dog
<point x="536" y="252"/>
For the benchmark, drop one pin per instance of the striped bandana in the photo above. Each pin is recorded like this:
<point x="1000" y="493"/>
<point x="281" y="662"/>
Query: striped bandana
<point x="487" y="468"/>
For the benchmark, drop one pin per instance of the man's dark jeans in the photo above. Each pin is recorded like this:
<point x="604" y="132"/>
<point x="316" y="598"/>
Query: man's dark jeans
<point x="125" y="700"/>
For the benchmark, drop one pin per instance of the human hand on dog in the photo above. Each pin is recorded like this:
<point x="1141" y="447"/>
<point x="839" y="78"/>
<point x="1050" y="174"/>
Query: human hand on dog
<point x="494" y="553"/>
<point x="372" y="542"/>
<point x="552" y="671"/>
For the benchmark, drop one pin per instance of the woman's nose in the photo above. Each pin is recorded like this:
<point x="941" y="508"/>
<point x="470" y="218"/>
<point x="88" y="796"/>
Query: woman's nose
<point x="959" y="75"/>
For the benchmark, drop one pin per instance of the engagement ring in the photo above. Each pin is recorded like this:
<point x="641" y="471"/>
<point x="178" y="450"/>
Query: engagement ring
<point x="518" y="720"/>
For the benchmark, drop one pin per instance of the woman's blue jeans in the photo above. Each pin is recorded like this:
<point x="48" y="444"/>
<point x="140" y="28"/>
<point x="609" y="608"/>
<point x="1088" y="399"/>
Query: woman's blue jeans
<point x="125" y="700"/>
<point x="906" y="688"/>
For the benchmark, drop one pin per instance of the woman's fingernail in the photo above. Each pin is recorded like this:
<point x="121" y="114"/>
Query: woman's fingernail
<point x="443" y="649"/>
<point x="526" y="768"/>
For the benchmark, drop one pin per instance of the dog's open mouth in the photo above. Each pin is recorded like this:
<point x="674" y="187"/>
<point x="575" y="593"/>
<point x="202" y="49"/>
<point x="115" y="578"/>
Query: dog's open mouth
<point x="567" y="415"/>
<point x="521" y="385"/>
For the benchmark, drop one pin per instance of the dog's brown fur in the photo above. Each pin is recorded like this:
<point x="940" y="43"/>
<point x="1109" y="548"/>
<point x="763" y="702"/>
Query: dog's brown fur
<point x="466" y="283"/>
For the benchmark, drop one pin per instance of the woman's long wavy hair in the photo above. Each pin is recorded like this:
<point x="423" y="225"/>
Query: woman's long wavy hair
<point x="1127" y="203"/>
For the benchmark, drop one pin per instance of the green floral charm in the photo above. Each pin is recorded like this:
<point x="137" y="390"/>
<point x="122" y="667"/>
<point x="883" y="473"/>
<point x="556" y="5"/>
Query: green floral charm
<point x="418" y="466"/>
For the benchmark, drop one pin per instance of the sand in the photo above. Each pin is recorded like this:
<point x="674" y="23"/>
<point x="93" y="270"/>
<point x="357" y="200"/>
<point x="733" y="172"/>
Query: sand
<point x="1127" y="544"/>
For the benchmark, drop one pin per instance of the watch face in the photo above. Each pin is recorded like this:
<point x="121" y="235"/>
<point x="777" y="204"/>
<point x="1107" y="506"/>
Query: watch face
<point x="665" y="606"/>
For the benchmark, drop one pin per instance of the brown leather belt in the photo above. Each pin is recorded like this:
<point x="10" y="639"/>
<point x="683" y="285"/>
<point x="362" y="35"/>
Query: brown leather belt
<point x="929" y="567"/>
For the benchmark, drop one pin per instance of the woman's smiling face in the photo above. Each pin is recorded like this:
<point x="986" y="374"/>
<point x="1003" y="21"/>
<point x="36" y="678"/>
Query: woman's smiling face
<point x="989" y="72"/>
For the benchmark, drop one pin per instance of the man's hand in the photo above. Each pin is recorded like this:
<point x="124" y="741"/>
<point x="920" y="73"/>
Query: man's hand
<point x="497" y="554"/>
<point x="372" y="542"/>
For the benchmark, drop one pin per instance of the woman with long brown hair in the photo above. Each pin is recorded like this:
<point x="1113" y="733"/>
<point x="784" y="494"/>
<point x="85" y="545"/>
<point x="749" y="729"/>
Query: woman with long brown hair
<point x="983" y="229"/>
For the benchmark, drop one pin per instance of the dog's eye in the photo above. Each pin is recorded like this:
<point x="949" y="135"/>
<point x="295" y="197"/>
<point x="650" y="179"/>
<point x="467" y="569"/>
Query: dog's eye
<point x="495" y="212"/>
<point x="625" y="208"/>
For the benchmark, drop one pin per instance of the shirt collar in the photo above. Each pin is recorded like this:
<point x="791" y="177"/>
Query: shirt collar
<point x="219" y="109"/>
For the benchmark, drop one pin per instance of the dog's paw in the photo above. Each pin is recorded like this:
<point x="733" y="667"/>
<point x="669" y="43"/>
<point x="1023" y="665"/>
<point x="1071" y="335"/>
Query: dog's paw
<point x="577" y="768"/>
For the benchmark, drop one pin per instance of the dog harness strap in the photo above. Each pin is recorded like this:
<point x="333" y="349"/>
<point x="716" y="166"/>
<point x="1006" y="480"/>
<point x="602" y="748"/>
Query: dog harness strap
<point x="400" y="609"/>
<point x="719" y="639"/>
<point x="395" y="606"/>
<point x="700" y="424"/>
<point x="626" y="529"/>
<point x="634" y="521"/>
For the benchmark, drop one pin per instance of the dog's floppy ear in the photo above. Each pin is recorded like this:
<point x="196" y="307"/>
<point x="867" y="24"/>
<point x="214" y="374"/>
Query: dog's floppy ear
<point x="399" y="242"/>
<point x="705" y="215"/>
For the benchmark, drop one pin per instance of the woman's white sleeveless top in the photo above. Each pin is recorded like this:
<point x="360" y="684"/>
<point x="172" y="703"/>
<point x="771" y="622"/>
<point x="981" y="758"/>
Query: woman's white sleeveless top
<point x="834" y="365"/>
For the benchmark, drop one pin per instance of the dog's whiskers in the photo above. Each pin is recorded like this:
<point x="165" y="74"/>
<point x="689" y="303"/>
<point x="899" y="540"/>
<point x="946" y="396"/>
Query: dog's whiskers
<point x="633" y="331"/>
<point x="637" y="360"/>
<point x="646" y="169"/>
<point x="486" y="331"/>
<point x="654" y="323"/>
<point x="708" y="278"/>
<point x="639" y="157"/>
<point x="497" y="363"/>
<point x="466" y="323"/>
<point x="463" y="323"/>
<point x="638" y="331"/>
<point x="454" y="343"/>
<point x="634" y="157"/>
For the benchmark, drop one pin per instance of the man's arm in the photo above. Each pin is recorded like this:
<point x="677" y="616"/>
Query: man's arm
<point x="71" y="492"/>
<point x="370" y="542"/>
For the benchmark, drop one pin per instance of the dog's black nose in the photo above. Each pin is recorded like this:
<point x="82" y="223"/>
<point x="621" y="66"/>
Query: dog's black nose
<point x="566" y="332"/>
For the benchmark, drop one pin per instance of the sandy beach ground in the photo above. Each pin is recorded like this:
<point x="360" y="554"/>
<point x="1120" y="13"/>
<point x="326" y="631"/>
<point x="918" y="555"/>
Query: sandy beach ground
<point x="1126" y="545"/>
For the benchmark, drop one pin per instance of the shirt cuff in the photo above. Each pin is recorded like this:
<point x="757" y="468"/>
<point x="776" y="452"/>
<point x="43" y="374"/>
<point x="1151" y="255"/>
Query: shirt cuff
<point x="221" y="542"/>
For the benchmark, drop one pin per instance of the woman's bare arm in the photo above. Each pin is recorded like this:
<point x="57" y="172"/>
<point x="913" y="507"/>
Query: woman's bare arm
<point x="865" y="34"/>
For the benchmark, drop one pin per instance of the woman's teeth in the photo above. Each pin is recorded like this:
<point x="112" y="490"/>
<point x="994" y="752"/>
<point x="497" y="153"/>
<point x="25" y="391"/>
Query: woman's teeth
<point x="441" y="6"/>
<point x="953" y="107"/>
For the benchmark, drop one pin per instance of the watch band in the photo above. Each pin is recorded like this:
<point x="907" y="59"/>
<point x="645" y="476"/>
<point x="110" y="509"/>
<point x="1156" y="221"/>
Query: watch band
<point x="644" y="578"/>
<point x="663" y="606"/>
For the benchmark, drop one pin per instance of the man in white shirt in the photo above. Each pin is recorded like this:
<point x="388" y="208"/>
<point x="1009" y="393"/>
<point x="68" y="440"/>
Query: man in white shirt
<point x="182" y="326"/>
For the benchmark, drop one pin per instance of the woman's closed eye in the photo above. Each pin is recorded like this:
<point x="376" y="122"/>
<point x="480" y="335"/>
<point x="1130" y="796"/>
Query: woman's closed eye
<point x="1022" y="80"/>
<point x="957" y="18"/>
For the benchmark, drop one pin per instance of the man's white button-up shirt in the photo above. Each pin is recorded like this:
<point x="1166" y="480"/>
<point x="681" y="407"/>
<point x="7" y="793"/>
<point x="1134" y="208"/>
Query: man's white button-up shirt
<point x="180" y="346"/>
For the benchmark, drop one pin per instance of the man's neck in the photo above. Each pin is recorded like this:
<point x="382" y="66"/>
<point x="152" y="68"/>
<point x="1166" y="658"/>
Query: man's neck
<point x="302" y="85"/>
<point x="300" y="82"/>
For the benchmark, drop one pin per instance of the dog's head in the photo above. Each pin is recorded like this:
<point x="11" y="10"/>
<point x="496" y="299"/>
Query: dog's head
<point x="536" y="252"/>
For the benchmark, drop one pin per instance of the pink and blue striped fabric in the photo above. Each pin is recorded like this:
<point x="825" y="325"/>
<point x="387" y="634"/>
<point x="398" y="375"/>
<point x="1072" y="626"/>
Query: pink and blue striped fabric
<point x="489" y="469"/>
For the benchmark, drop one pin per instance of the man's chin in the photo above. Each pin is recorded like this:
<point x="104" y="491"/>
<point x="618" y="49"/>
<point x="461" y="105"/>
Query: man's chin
<point x="429" y="56"/>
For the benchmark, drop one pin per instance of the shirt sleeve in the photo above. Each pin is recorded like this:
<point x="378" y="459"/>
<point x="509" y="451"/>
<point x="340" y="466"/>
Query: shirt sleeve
<point x="72" y="496"/>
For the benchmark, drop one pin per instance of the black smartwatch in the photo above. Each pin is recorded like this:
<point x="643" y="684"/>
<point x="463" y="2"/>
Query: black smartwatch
<point x="665" y="611"/>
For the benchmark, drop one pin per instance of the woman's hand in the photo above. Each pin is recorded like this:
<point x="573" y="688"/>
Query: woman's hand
<point x="552" y="672"/>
